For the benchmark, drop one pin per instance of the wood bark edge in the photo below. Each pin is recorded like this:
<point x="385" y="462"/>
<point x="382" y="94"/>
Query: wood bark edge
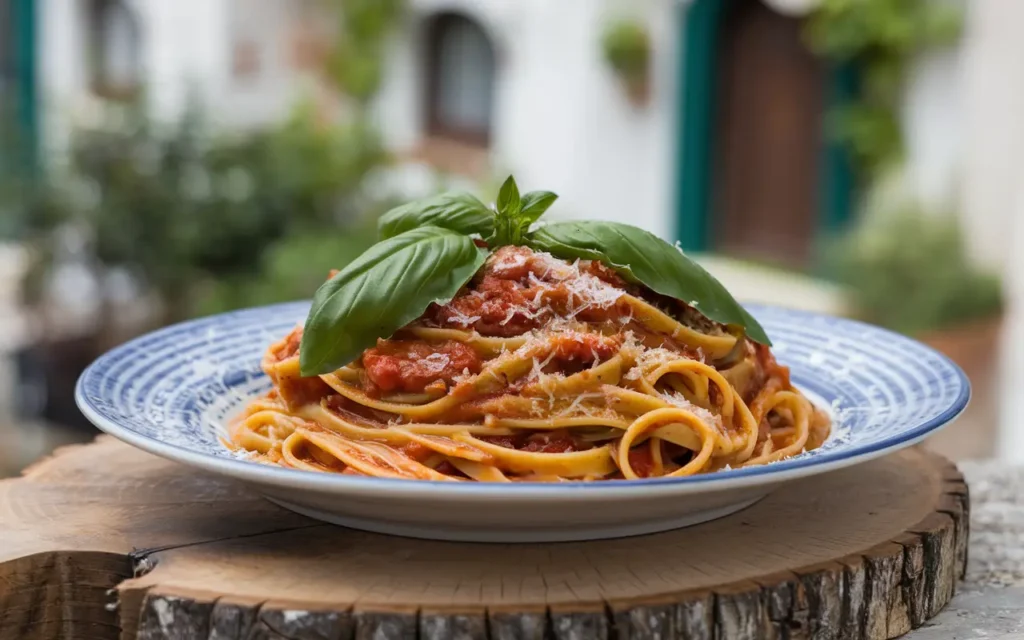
<point x="881" y="592"/>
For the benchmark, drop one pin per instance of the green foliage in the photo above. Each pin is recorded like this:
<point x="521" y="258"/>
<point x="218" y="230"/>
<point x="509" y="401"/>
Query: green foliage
<point x="909" y="271"/>
<point x="182" y="207"/>
<point x="290" y="269"/>
<point x="881" y="36"/>
<point x="514" y="214"/>
<point x="627" y="47"/>
<point x="395" y="280"/>
<point x="17" y="167"/>
<point x="458" y="211"/>
<point x="357" y="62"/>
<point x="391" y="284"/>
<point x="640" y="256"/>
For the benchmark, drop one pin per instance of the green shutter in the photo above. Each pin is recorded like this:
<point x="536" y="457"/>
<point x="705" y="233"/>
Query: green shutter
<point x="24" y="25"/>
<point x="697" y="89"/>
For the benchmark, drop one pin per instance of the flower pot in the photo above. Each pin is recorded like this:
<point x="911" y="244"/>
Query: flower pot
<point x="974" y="347"/>
<point x="638" y="89"/>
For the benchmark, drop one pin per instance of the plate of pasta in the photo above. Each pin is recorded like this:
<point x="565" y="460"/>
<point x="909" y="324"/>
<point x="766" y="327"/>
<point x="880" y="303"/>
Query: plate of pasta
<point x="478" y="376"/>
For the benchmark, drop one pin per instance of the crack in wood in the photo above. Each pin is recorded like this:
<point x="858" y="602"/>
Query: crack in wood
<point x="141" y="554"/>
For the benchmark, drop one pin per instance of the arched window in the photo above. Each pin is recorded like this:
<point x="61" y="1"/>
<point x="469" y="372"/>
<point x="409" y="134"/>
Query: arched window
<point x="115" y="49"/>
<point x="460" y="79"/>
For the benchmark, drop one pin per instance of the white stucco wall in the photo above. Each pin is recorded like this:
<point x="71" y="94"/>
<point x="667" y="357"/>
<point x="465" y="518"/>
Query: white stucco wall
<point x="993" y="182"/>
<point x="994" y="129"/>
<point x="186" y="49"/>
<point x="933" y="124"/>
<point x="561" y="122"/>
<point x="60" y="66"/>
<point x="965" y="136"/>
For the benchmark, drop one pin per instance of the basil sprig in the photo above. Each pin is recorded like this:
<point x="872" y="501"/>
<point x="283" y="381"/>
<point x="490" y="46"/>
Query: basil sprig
<point x="381" y="291"/>
<point x="427" y="253"/>
<point x="515" y="214"/>
<point x="457" y="211"/>
<point x="642" y="257"/>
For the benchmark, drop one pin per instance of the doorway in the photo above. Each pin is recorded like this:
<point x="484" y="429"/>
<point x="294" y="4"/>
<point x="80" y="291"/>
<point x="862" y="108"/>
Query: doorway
<point x="758" y="176"/>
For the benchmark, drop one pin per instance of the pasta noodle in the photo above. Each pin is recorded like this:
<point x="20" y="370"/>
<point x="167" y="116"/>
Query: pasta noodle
<point x="538" y="370"/>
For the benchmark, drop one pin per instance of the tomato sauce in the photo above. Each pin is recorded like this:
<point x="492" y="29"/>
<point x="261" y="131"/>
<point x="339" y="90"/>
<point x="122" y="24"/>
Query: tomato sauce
<point x="551" y="443"/>
<point x="299" y="392"/>
<point x="770" y="366"/>
<point x="584" y="347"/>
<point x="495" y="307"/>
<point x="291" y="345"/>
<point x="410" y="366"/>
<point x="544" y="442"/>
<point x="518" y="291"/>
<point x="641" y="460"/>
<point x="294" y="390"/>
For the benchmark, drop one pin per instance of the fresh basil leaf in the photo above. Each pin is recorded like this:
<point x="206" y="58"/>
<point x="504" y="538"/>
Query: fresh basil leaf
<point x="641" y="256"/>
<point x="509" y="203"/>
<point x="458" y="211"/>
<point x="391" y="284"/>
<point x="534" y="204"/>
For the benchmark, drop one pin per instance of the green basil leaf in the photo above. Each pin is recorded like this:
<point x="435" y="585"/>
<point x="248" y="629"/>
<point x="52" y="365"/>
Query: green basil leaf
<point x="643" y="257"/>
<point x="534" y="204"/>
<point x="391" y="284"/>
<point x="509" y="203"/>
<point x="456" y="210"/>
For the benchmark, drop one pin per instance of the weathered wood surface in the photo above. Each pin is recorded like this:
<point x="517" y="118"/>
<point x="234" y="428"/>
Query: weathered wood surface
<point x="103" y="541"/>
<point x="990" y="601"/>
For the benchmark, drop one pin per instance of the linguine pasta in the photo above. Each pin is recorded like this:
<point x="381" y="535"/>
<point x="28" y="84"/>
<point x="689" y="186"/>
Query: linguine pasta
<point x="538" y="370"/>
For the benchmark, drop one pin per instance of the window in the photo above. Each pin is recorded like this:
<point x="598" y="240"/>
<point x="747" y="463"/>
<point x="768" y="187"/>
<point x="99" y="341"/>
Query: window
<point x="460" y="80"/>
<point x="114" y="49"/>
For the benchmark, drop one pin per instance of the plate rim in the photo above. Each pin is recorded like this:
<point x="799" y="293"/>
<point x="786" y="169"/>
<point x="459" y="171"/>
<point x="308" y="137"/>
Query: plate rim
<point x="766" y="475"/>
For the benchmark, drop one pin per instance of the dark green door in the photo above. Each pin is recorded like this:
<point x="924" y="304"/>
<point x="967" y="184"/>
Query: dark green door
<point x="758" y="175"/>
<point x="17" y="74"/>
<point x="18" y="117"/>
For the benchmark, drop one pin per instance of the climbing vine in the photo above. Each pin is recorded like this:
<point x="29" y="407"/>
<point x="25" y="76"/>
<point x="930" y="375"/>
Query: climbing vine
<point x="880" y="37"/>
<point x="356" y="62"/>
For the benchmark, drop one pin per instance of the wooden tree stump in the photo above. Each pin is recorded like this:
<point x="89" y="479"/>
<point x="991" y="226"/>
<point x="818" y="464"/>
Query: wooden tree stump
<point x="103" y="541"/>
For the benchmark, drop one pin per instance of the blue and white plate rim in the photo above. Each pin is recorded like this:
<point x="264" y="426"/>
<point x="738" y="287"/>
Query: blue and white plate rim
<point x="722" y="480"/>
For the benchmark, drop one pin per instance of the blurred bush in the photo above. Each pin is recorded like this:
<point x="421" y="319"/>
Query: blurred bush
<point x="882" y="37"/>
<point x="626" y="47"/>
<point x="357" y="59"/>
<point x="908" y="270"/>
<point x="211" y="221"/>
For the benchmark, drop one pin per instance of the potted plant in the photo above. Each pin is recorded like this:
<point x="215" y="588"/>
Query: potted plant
<point x="627" y="49"/>
<point x="151" y="222"/>
<point x="909" y="271"/>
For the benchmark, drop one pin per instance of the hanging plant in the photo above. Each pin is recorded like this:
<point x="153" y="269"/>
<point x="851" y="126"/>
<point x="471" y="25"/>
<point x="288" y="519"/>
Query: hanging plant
<point x="881" y="37"/>
<point x="627" y="50"/>
<point x="356" y="64"/>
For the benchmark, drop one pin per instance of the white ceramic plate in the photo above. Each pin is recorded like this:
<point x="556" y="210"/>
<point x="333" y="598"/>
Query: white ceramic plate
<point x="171" y="391"/>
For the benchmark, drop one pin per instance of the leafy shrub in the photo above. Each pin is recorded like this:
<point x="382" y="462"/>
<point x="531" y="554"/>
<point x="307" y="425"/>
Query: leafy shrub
<point x="185" y="209"/>
<point x="909" y="271"/>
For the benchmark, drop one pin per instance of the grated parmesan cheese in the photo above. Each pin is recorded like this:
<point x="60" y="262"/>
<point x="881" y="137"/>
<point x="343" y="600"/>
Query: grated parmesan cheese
<point x="577" y="404"/>
<point x="649" y="359"/>
<point x="457" y="317"/>
<point x="705" y="416"/>
<point x="507" y="260"/>
<point x="436" y="362"/>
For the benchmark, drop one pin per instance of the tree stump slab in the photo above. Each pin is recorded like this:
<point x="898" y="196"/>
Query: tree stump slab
<point x="104" y="541"/>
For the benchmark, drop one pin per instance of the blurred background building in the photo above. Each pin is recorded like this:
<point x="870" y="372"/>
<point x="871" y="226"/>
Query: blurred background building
<point x="167" y="159"/>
